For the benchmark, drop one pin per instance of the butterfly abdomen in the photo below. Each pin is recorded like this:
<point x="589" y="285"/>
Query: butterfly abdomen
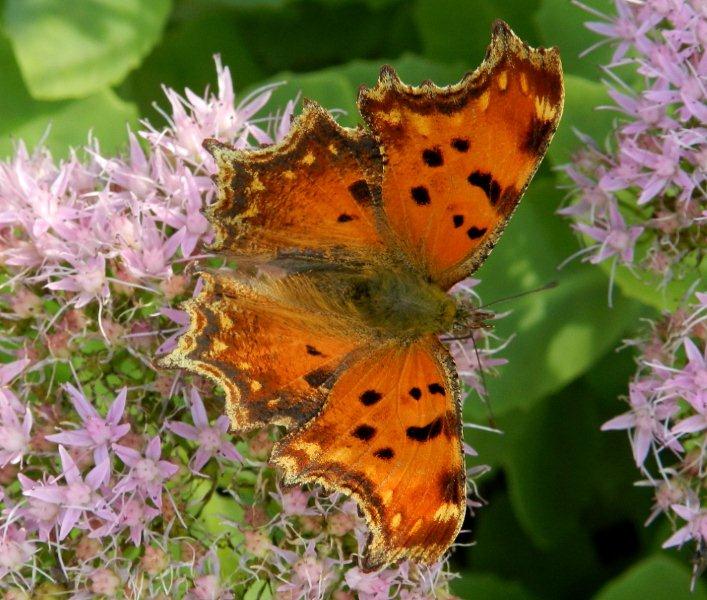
<point x="401" y="305"/>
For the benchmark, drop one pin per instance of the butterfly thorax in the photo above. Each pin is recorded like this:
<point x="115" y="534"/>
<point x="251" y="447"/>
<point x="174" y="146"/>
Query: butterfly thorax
<point x="401" y="305"/>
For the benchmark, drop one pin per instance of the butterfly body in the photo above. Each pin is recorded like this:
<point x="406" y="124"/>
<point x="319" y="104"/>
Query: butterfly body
<point x="401" y="304"/>
<point x="369" y="228"/>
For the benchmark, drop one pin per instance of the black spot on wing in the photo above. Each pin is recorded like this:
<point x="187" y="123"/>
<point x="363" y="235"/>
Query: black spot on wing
<point x="451" y="486"/>
<point x="460" y="144"/>
<point x="486" y="182"/>
<point x="426" y="432"/>
<point x="370" y="397"/>
<point x="317" y="377"/>
<point x="313" y="351"/>
<point x="416" y="393"/>
<point x="361" y="192"/>
<point x="458" y="220"/>
<point x="384" y="453"/>
<point x="364" y="432"/>
<point x="420" y="195"/>
<point x="436" y="388"/>
<point x="536" y="136"/>
<point x="475" y="233"/>
<point x="344" y="218"/>
<point x="433" y="157"/>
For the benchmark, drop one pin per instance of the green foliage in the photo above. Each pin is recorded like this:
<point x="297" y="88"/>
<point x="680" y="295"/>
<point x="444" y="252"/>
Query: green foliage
<point x="71" y="49"/>
<point x="562" y="489"/>
<point x="658" y="578"/>
<point x="69" y="121"/>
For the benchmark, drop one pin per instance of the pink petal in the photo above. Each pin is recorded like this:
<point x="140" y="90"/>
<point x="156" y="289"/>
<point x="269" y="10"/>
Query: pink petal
<point x="52" y="494"/>
<point x="229" y="451"/>
<point x="624" y="421"/>
<point x="641" y="445"/>
<point x="9" y="371"/>
<point x="71" y="517"/>
<point x="693" y="353"/>
<point x="69" y="468"/>
<point x="167" y="469"/>
<point x="129" y="456"/>
<point x="80" y="438"/>
<point x="678" y="538"/>
<point x="198" y="412"/>
<point x="115" y="413"/>
<point x="99" y="474"/>
<point x="154" y="448"/>
<point x="201" y="457"/>
<point x="683" y="511"/>
<point x="183" y="430"/>
<point x="82" y="406"/>
<point x="691" y="424"/>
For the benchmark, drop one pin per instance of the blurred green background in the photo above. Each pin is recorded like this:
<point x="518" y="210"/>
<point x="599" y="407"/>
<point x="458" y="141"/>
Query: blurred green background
<point x="564" y="519"/>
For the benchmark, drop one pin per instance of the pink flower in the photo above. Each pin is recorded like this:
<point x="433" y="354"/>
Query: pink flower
<point x="87" y="278"/>
<point x="155" y="249"/>
<point x="695" y="529"/>
<point x="14" y="436"/>
<point x="98" y="432"/>
<point x="78" y="498"/>
<point x="647" y="419"/>
<point x="38" y="515"/>
<point x="691" y="382"/>
<point x="370" y="586"/>
<point x="147" y="473"/>
<point x="15" y="549"/>
<point x="132" y="513"/>
<point x="213" y="440"/>
<point x="615" y="237"/>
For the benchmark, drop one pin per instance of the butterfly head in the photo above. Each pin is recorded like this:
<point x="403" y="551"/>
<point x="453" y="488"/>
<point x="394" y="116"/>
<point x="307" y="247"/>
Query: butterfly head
<point x="469" y="317"/>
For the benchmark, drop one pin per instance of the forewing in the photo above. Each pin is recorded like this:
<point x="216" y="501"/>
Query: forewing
<point x="267" y="344"/>
<point x="389" y="434"/>
<point x="312" y="195"/>
<point x="458" y="159"/>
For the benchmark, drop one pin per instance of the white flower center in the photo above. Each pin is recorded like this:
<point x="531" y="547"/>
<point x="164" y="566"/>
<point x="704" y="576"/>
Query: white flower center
<point x="78" y="494"/>
<point x="99" y="430"/>
<point x="146" y="470"/>
<point x="210" y="439"/>
<point x="42" y="511"/>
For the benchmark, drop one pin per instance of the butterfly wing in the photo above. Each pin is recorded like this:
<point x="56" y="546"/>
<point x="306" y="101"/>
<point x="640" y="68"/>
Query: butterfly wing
<point x="389" y="434"/>
<point x="313" y="195"/>
<point x="458" y="159"/>
<point x="271" y="345"/>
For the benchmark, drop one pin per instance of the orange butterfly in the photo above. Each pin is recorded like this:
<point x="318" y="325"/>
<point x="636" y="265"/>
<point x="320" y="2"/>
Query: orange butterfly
<point x="372" y="226"/>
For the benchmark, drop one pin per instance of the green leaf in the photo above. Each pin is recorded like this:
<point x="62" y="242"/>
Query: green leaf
<point x="559" y="333"/>
<point x="561" y="24"/>
<point x="647" y="288"/>
<point x="73" y="49"/>
<point x="582" y="97"/>
<point x="68" y="121"/>
<point x="504" y="549"/>
<point x="454" y="30"/>
<point x="489" y="587"/>
<point x="658" y="578"/>
<point x="205" y="36"/>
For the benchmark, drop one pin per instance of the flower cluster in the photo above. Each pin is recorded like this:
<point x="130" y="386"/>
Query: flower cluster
<point x="117" y="478"/>
<point x="642" y="201"/>
<point x="667" y="419"/>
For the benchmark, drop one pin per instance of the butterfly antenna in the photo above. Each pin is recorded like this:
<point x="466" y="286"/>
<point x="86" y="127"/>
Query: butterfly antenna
<point x="485" y="395"/>
<point x="547" y="286"/>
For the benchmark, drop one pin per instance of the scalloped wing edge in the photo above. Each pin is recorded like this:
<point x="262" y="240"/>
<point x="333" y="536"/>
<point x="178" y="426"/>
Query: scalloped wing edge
<point x="376" y="554"/>
<point x="228" y="159"/>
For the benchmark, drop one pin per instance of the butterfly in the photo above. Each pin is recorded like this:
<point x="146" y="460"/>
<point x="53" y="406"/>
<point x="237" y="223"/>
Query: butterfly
<point x="358" y="235"/>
